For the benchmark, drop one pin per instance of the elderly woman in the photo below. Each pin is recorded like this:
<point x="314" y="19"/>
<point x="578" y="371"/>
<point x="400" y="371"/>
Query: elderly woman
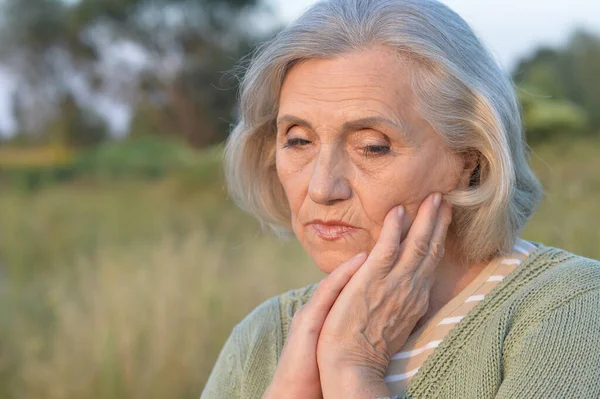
<point x="384" y="135"/>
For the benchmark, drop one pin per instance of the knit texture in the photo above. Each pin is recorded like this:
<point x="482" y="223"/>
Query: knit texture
<point x="536" y="335"/>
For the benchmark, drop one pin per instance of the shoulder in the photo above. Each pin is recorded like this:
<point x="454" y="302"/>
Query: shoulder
<point x="554" y="278"/>
<point x="248" y="359"/>
<point x="554" y="329"/>
<point x="266" y="313"/>
<point x="267" y="324"/>
<point x="250" y="349"/>
<point x="560" y="274"/>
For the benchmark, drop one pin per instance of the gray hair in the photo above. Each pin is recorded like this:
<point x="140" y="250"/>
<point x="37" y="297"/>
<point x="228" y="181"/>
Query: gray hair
<point x="460" y="89"/>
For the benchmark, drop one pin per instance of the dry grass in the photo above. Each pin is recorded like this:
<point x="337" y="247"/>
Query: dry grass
<point x="146" y="322"/>
<point x="569" y="217"/>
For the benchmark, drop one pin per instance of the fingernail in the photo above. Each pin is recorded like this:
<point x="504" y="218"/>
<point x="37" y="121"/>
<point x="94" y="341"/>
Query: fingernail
<point x="400" y="212"/>
<point x="437" y="199"/>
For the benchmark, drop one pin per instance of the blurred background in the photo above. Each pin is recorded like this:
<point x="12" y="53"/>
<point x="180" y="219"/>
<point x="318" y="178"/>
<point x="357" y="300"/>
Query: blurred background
<point x="123" y="264"/>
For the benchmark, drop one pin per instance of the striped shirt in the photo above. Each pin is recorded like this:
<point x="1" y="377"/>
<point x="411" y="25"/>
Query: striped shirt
<point x="423" y="341"/>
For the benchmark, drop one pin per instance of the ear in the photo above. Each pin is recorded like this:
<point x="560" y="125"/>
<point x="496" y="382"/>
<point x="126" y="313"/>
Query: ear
<point x="472" y="166"/>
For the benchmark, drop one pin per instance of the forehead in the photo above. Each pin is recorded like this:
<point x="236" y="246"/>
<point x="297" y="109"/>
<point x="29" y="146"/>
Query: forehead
<point x="370" y="82"/>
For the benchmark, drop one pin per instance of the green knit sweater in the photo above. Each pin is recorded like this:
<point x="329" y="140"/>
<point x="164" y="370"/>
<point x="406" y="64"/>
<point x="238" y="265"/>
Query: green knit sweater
<point x="536" y="335"/>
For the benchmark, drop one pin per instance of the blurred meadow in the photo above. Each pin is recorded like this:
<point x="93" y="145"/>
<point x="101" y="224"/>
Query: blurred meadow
<point x="123" y="264"/>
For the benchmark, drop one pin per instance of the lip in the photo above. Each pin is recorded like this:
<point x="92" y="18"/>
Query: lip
<point x="330" y="230"/>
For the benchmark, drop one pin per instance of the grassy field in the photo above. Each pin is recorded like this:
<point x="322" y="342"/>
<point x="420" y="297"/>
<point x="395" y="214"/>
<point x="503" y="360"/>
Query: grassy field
<point x="128" y="289"/>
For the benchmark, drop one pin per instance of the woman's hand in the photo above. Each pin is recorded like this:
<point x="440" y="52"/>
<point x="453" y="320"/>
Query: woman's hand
<point x="378" y="308"/>
<point x="297" y="374"/>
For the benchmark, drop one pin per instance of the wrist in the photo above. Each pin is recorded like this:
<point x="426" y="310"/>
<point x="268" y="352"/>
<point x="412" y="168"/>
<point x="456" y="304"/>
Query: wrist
<point x="353" y="382"/>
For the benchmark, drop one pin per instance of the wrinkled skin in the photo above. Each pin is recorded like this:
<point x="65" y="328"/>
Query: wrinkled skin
<point x="394" y="266"/>
<point x="359" y="175"/>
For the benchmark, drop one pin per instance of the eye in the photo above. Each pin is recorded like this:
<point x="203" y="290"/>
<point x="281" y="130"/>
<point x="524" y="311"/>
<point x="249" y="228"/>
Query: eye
<point x="295" y="142"/>
<point x="376" y="150"/>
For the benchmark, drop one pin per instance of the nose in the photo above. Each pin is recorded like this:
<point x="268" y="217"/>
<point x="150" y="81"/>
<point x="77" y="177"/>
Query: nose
<point x="329" y="183"/>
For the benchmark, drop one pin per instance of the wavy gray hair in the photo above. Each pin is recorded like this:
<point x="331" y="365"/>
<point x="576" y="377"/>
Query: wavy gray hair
<point x="460" y="89"/>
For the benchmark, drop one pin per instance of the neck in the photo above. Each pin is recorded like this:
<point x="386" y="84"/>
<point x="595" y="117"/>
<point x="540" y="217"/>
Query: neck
<point x="452" y="275"/>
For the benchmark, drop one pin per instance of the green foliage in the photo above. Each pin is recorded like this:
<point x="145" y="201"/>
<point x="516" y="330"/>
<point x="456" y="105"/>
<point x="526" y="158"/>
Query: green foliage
<point x="542" y="72"/>
<point x="189" y="46"/>
<point x="33" y="178"/>
<point x="566" y="89"/>
<point x="141" y="158"/>
<point x="546" y="118"/>
<point x="206" y="171"/>
<point x="146" y="157"/>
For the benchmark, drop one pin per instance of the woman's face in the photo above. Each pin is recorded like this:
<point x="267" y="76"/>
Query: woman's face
<point x="351" y="145"/>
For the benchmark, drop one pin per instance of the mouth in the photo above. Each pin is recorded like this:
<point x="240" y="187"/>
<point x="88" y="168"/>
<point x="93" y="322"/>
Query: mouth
<point x="330" y="230"/>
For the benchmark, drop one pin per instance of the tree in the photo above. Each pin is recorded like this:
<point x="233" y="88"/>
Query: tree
<point x="581" y="72"/>
<point x="560" y="90"/>
<point x="181" y="51"/>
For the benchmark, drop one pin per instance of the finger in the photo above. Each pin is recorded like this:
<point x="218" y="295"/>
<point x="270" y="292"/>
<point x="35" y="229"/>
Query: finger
<point x="387" y="248"/>
<point x="416" y="246"/>
<point x="437" y="243"/>
<point x="330" y="288"/>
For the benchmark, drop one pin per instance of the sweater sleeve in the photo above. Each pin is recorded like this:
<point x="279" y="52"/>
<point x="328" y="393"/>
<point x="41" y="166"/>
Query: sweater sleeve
<point x="555" y="354"/>
<point x="247" y="361"/>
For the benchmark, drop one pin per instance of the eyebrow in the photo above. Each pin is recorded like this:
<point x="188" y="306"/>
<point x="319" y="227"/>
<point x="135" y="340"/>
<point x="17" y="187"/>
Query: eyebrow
<point x="357" y="124"/>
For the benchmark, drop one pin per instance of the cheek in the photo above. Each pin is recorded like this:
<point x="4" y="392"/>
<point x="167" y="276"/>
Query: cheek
<point x="407" y="183"/>
<point x="403" y="184"/>
<point x="294" y="181"/>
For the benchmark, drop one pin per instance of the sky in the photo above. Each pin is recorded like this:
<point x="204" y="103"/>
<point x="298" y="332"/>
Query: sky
<point x="511" y="29"/>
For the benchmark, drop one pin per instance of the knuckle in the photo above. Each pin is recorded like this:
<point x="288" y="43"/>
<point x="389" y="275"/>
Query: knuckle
<point x="422" y="309"/>
<point x="420" y="248"/>
<point x="388" y="255"/>
<point x="438" y="250"/>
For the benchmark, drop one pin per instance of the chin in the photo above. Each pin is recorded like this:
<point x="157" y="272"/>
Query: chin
<point x="326" y="267"/>
<point x="328" y="255"/>
<point x="328" y="262"/>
